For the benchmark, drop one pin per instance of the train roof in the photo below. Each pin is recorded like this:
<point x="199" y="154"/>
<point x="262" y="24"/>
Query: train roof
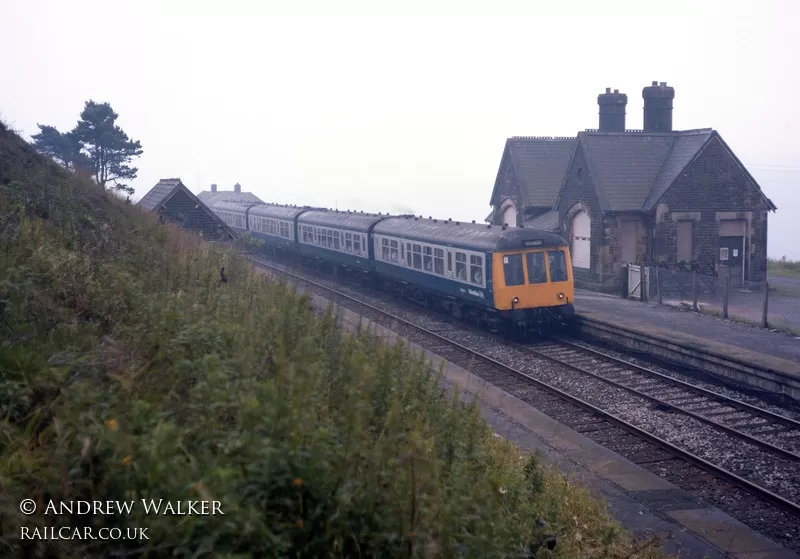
<point x="278" y="211"/>
<point x="229" y="206"/>
<point x="467" y="235"/>
<point x="356" y="221"/>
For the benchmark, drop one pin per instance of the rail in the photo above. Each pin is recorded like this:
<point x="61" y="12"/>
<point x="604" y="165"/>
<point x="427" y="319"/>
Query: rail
<point x="675" y="451"/>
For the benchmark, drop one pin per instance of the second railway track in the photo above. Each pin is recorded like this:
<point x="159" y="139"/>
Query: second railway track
<point x="748" y="494"/>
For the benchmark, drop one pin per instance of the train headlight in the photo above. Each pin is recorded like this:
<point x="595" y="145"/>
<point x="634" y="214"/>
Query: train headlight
<point x="560" y="295"/>
<point x="516" y="300"/>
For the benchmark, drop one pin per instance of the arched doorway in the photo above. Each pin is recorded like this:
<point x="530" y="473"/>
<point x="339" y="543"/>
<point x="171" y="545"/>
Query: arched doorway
<point x="581" y="240"/>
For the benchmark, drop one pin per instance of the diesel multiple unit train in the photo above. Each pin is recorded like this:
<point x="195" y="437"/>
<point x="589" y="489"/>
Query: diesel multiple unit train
<point x="505" y="279"/>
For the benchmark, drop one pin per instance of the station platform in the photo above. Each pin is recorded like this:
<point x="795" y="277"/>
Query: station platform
<point x="645" y="503"/>
<point x="667" y="320"/>
<point x="775" y="354"/>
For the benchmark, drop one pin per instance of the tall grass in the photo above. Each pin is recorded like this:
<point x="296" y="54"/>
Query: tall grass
<point x="128" y="373"/>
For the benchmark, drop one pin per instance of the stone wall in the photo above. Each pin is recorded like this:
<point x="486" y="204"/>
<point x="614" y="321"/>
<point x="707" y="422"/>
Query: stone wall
<point x="711" y="189"/>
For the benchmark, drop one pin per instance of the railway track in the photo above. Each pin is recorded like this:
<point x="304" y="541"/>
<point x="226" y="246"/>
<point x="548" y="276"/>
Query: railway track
<point x="739" y="419"/>
<point x="763" y="509"/>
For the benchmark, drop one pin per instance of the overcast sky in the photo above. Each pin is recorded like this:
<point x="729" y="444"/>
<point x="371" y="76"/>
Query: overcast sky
<point x="401" y="108"/>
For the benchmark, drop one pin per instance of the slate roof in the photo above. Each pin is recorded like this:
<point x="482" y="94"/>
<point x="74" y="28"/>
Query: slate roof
<point x="164" y="189"/>
<point x="624" y="165"/>
<point x="630" y="170"/>
<point x="546" y="222"/>
<point x="540" y="164"/>
<point x="230" y="196"/>
<point x="159" y="194"/>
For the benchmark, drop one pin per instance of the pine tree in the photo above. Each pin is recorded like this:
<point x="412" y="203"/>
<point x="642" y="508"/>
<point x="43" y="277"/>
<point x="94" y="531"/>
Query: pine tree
<point x="109" y="148"/>
<point x="64" y="147"/>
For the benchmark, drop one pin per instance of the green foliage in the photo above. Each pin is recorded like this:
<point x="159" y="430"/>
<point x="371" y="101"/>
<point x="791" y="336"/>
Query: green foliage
<point x="128" y="373"/>
<point x="248" y="243"/>
<point x="96" y="144"/>
<point x="64" y="147"/>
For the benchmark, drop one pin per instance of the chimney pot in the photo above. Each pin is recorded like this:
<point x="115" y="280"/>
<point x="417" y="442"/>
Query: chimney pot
<point x="612" y="111"/>
<point x="237" y="188"/>
<point x="658" y="100"/>
<point x="213" y="188"/>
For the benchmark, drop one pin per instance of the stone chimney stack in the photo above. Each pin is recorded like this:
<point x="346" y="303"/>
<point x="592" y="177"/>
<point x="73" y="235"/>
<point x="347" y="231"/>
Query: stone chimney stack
<point x="612" y="110"/>
<point x="658" y="107"/>
<point x="237" y="188"/>
<point x="213" y="189"/>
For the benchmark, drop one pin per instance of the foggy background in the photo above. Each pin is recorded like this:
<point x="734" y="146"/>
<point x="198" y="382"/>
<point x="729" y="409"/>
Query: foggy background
<point x="379" y="107"/>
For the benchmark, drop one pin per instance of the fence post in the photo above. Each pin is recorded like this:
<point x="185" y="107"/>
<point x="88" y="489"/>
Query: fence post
<point x="725" y="295"/>
<point x="695" y="289"/>
<point x="641" y="282"/>
<point x="658" y="287"/>
<point x="764" y="322"/>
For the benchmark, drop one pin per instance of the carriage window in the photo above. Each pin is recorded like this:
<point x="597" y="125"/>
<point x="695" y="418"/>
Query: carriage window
<point x="348" y="242"/>
<point x="408" y="254"/>
<point x="402" y="252"/>
<point x="536" y="269"/>
<point x="393" y="252"/>
<point x="418" y="257"/>
<point x="284" y="229"/>
<point x="357" y="244"/>
<point x="461" y="266"/>
<point x="427" y="259"/>
<point x="336" y="240"/>
<point x="438" y="261"/>
<point x="476" y="269"/>
<point x="558" y="265"/>
<point x="449" y="262"/>
<point x="385" y="250"/>
<point x="512" y="269"/>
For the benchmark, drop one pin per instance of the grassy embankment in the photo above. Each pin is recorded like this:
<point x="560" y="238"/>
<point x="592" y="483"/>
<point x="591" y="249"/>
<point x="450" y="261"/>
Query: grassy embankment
<point x="783" y="267"/>
<point x="127" y="374"/>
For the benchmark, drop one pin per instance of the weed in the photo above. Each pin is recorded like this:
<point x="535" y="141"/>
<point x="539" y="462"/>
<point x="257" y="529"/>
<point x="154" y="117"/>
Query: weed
<point x="130" y="372"/>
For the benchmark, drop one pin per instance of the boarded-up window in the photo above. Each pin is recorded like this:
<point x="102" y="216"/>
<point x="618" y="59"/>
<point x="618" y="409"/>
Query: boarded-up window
<point x="683" y="242"/>
<point x="581" y="244"/>
<point x="629" y="232"/>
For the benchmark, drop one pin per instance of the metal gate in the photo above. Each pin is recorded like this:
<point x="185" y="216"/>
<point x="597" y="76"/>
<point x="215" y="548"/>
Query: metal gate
<point x="635" y="281"/>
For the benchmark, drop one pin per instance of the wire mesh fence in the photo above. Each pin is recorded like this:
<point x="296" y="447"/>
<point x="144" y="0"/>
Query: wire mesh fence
<point x="727" y="293"/>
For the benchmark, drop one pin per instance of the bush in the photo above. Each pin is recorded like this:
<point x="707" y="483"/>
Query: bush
<point x="128" y="374"/>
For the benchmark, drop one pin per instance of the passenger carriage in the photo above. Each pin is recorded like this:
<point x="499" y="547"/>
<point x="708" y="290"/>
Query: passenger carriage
<point x="275" y="225"/>
<point x="337" y="237"/>
<point x="489" y="273"/>
<point x="233" y="214"/>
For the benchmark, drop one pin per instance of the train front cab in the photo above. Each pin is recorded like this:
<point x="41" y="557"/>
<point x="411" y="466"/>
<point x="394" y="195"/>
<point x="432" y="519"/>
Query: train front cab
<point x="533" y="285"/>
